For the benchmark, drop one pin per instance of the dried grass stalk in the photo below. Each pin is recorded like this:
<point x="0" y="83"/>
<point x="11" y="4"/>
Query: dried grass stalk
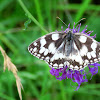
<point x="11" y="67"/>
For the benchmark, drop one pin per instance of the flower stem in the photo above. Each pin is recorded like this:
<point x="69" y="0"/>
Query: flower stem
<point x="62" y="90"/>
<point x="30" y="16"/>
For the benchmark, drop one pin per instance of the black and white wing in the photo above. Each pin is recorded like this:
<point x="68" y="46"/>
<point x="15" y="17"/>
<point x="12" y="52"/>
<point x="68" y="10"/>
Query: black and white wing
<point x="88" y="52"/>
<point x="45" y="48"/>
<point x="58" y="49"/>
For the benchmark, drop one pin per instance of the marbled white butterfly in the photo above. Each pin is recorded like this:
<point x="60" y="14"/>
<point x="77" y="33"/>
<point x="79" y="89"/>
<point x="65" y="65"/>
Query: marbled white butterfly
<point x="60" y="48"/>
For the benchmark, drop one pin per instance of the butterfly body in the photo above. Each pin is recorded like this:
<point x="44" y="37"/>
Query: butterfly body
<point x="58" y="49"/>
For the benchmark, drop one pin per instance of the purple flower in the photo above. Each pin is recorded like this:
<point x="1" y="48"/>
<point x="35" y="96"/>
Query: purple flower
<point x="76" y="76"/>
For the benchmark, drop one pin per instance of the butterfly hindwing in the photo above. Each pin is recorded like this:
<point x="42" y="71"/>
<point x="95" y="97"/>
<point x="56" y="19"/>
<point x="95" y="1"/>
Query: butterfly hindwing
<point x="88" y="49"/>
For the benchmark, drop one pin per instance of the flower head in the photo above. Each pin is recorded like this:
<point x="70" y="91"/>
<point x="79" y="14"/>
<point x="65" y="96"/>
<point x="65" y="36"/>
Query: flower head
<point x="75" y="75"/>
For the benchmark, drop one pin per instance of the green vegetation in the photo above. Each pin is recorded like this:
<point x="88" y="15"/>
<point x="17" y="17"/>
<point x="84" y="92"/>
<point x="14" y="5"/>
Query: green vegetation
<point x="23" y="21"/>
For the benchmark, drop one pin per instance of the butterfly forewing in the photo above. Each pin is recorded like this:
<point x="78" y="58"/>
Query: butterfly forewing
<point x="45" y="48"/>
<point x="58" y="49"/>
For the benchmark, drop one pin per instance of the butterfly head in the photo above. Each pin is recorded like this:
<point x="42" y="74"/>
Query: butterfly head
<point x="68" y="35"/>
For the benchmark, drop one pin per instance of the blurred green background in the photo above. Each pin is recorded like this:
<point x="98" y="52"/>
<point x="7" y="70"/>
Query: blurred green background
<point x="38" y="83"/>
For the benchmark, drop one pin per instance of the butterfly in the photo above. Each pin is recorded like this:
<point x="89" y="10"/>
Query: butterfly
<point x="60" y="48"/>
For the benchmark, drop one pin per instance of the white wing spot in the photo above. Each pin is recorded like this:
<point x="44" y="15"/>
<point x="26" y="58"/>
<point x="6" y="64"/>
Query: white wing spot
<point x="35" y="54"/>
<point x="61" y="66"/>
<point x="75" y="46"/>
<point x="91" y="61"/>
<point x="35" y="49"/>
<point x="56" y="56"/>
<point x="31" y="49"/>
<point x="34" y="43"/>
<point x="89" y="55"/>
<point x="46" y="52"/>
<point x="93" y="54"/>
<point x="52" y="48"/>
<point x="84" y="50"/>
<point x="47" y="58"/>
<point x="42" y="41"/>
<point x="61" y="56"/>
<point x="86" y="61"/>
<point x="52" y="59"/>
<point x="76" y="67"/>
<point x="93" y="46"/>
<point x="80" y="66"/>
<point x="42" y="57"/>
<point x="78" y="59"/>
<point x="51" y="63"/>
<point x="83" y="39"/>
<point x="95" y="60"/>
<point x="55" y="36"/>
<point x="68" y="63"/>
<point x="38" y="55"/>
<point x="71" y="66"/>
<point x="64" y="63"/>
<point x="42" y="50"/>
<point x="55" y="65"/>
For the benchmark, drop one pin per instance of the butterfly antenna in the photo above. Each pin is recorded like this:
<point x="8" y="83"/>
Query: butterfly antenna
<point x="61" y="21"/>
<point x="80" y="20"/>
